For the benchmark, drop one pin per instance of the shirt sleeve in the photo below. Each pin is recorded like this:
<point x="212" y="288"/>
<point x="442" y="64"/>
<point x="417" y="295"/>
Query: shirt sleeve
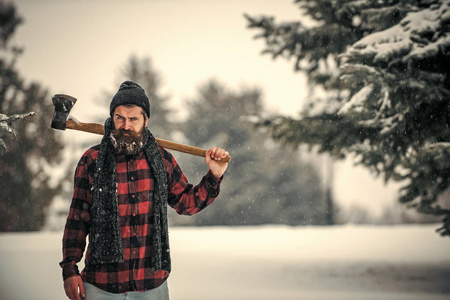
<point x="78" y="220"/>
<point x="184" y="197"/>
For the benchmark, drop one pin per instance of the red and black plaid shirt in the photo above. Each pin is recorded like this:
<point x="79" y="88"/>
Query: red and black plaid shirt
<point x="134" y="187"/>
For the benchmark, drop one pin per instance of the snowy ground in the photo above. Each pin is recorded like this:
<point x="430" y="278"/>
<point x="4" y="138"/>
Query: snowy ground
<point x="268" y="262"/>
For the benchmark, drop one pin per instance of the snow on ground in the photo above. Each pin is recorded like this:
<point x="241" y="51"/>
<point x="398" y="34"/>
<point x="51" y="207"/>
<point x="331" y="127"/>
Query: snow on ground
<point x="262" y="262"/>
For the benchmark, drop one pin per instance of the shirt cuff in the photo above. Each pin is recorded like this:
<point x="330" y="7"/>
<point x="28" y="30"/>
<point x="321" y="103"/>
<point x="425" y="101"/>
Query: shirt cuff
<point x="70" y="270"/>
<point x="212" y="184"/>
<point x="212" y="179"/>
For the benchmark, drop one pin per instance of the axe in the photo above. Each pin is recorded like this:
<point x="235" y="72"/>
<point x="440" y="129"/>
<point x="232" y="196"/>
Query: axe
<point x="64" y="103"/>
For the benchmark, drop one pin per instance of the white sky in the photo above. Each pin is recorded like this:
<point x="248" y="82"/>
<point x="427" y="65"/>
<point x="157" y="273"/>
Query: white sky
<point x="78" y="48"/>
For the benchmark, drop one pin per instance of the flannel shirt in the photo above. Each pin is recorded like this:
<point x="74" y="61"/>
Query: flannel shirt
<point x="135" y="184"/>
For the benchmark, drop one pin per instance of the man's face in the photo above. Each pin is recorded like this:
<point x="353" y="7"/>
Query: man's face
<point x="129" y="118"/>
<point x="129" y="123"/>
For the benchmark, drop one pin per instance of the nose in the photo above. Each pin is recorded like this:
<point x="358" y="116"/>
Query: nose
<point x="127" y="125"/>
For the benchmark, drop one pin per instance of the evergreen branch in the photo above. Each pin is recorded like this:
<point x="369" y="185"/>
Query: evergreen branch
<point x="6" y="127"/>
<point x="3" y="147"/>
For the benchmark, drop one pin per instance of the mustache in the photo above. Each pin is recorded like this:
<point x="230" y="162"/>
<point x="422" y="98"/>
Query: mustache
<point x="118" y="133"/>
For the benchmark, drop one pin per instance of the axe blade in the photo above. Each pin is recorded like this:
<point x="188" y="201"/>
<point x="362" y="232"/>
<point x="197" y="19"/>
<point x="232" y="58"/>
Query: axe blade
<point x="63" y="104"/>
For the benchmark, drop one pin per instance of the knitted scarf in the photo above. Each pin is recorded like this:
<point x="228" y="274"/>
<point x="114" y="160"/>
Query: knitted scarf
<point x="105" y="240"/>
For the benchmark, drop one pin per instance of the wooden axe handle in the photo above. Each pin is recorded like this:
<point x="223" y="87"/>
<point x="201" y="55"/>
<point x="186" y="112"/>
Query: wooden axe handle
<point x="99" y="129"/>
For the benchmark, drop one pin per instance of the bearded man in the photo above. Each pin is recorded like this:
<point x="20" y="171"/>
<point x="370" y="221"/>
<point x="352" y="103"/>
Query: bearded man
<point x="121" y="190"/>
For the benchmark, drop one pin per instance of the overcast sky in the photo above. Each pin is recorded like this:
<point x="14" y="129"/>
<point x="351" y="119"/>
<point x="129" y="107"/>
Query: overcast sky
<point x="78" y="48"/>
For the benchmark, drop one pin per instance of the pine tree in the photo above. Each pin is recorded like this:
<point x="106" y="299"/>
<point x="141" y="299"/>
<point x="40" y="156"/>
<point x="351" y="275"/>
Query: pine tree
<point x="383" y="67"/>
<point x="264" y="183"/>
<point x="26" y="187"/>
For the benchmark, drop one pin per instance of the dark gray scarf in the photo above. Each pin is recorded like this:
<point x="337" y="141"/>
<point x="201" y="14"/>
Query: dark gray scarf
<point x="105" y="239"/>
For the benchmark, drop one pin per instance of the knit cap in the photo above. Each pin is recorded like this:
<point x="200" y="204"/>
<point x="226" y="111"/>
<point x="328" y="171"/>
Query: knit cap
<point x="130" y="93"/>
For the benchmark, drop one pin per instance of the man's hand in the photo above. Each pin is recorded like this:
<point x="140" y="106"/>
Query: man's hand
<point x="212" y="157"/>
<point x="71" y="286"/>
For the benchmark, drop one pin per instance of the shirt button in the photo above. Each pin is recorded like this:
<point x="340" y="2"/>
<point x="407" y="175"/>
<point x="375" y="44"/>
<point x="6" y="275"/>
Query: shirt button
<point x="133" y="196"/>
<point x="132" y="178"/>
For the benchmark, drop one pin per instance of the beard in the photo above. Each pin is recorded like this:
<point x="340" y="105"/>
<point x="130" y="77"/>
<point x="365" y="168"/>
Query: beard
<point x="126" y="141"/>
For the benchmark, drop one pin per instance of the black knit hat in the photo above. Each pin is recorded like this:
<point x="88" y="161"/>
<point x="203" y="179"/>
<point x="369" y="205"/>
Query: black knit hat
<point x="130" y="93"/>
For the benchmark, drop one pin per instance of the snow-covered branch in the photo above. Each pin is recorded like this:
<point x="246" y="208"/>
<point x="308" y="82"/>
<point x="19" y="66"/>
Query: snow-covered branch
<point x="419" y="35"/>
<point x="7" y="129"/>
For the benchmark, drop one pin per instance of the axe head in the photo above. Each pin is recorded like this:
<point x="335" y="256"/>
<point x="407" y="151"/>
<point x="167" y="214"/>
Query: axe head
<point x="63" y="104"/>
